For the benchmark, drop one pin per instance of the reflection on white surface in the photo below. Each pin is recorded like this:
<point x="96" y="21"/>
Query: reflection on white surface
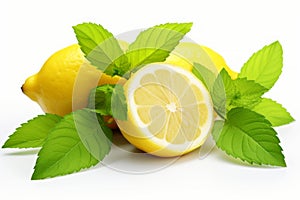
<point x="125" y="158"/>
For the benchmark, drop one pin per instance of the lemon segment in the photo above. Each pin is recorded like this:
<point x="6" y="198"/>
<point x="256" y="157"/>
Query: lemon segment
<point x="170" y="111"/>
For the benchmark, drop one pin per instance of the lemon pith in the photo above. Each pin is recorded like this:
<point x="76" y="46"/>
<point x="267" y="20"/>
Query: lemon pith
<point x="169" y="111"/>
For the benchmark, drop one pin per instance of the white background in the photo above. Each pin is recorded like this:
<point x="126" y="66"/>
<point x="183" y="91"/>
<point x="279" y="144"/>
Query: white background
<point x="32" y="30"/>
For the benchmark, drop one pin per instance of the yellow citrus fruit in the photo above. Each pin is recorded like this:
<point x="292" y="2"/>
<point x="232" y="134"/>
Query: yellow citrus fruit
<point x="186" y="53"/>
<point x="170" y="111"/>
<point x="54" y="85"/>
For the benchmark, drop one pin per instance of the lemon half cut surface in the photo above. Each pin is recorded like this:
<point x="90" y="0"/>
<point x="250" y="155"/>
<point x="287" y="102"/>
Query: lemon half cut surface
<point x="170" y="111"/>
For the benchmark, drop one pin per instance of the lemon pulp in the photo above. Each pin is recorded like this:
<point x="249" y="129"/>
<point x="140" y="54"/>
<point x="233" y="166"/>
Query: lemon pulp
<point x="170" y="112"/>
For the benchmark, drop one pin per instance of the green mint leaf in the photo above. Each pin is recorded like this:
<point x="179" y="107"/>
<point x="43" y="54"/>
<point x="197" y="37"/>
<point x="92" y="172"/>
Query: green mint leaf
<point x="93" y="132"/>
<point x="247" y="94"/>
<point x="230" y="93"/>
<point x="100" y="99"/>
<point x="223" y="88"/>
<point x="249" y="136"/>
<point x="204" y="75"/>
<point x="78" y="141"/>
<point x="217" y="129"/>
<point x="100" y="47"/>
<point x="273" y="112"/>
<point x="156" y="43"/>
<point x="33" y="133"/>
<point x="264" y="66"/>
<point x="118" y="103"/>
<point x="109" y="100"/>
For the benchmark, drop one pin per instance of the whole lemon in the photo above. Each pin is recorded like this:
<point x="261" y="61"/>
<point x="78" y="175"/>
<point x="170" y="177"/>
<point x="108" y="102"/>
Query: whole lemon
<point x="186" y="53"/>
<point x="54" y="86"/>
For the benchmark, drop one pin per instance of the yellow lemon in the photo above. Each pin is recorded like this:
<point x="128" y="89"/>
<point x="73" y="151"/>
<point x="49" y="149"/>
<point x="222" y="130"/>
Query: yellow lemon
<point x="170" y="111"/>
<point x="54" y="85"/>
<point x="186" y="53"/>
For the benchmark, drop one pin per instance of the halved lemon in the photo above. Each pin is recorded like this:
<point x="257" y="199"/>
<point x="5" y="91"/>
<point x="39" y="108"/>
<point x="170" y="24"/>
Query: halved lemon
<point x="170" y="111"/>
